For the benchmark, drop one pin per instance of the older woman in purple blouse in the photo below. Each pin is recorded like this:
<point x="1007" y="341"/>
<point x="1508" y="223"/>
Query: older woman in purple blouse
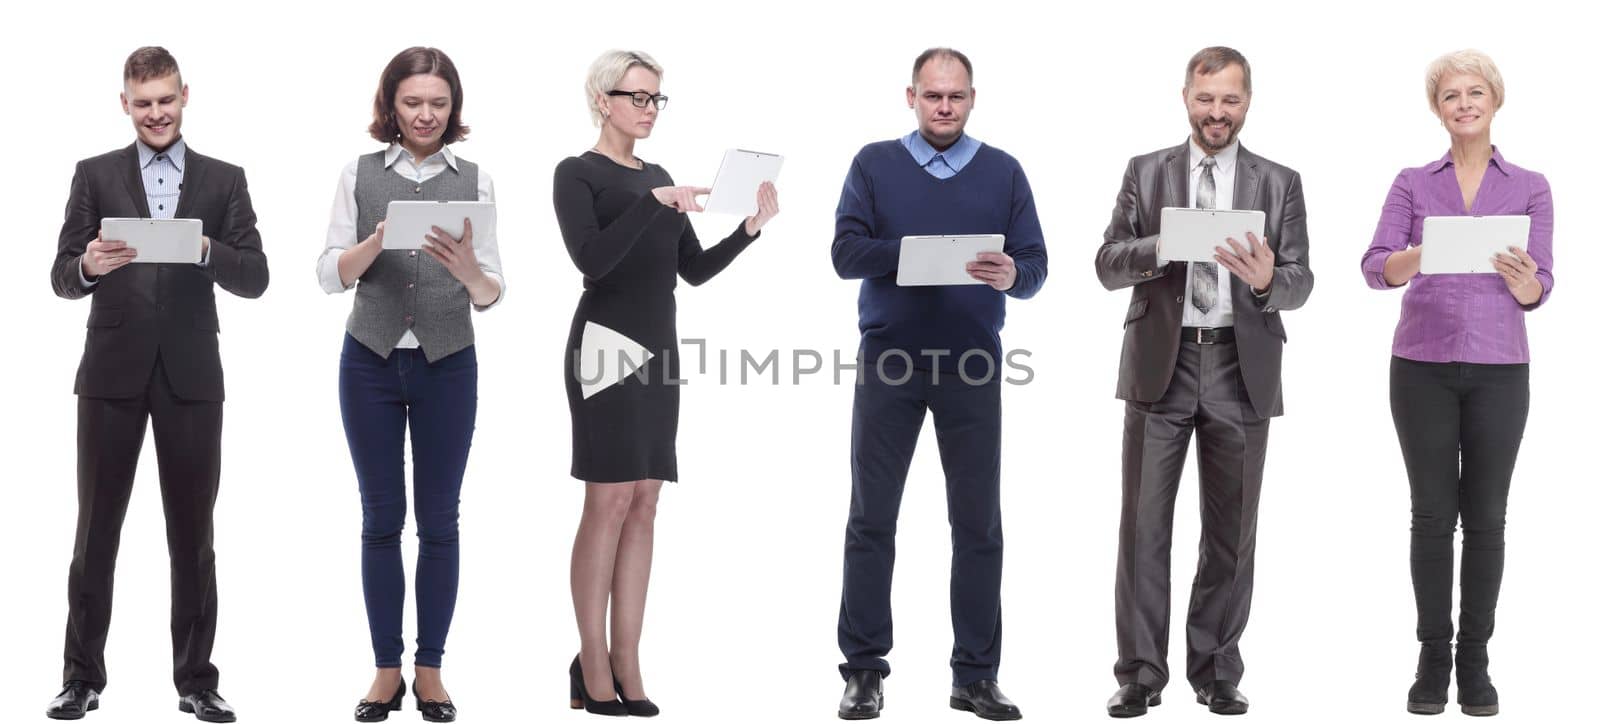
<point x="1458" y="382"/>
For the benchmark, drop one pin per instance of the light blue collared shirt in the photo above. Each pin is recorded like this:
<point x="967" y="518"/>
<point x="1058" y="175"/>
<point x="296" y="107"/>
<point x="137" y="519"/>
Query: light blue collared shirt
<point x="941" y="164"/>
<point x="162" y="172"/>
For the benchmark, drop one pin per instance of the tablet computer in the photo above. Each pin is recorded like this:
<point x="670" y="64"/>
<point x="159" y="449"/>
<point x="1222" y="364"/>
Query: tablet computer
<point x="409" y="221"/>
<point x="941" y="260"/>
<point x="1467" y="244"/>
<point x="739" y="178"/>
<point x="159" y="241"/>
<point x="1195" y="234"/>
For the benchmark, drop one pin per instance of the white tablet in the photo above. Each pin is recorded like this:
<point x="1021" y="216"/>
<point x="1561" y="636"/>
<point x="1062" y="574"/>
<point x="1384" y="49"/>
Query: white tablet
<point x="942" y="260"/>
<point x="409" y="221"/>
<point x="739" y="178"/>
<point x="159" y="241"/>
<point x="1467" y="244"/>
<point x="1195" y="234"/>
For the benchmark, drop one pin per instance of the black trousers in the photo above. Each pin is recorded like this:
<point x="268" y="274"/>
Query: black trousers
<point x="1207" y="399"/>
<point x="1460" y="426"/>
<point x="887" y="420"/>
<point x="188" y="451"/>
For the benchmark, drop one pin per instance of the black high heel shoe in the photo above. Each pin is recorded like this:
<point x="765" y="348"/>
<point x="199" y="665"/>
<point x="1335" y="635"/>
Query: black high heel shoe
<point x="436" y="711"/>
<point x="635" y="707"/>
<point x="379" y="710"/>
<point x="581" y="699"/>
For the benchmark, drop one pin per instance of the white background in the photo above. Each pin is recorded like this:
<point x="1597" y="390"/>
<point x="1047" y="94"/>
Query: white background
<point x="746" y="587"/>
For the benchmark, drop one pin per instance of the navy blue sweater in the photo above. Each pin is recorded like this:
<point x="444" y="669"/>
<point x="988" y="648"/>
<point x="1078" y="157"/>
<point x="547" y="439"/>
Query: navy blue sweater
<point x="888" y="196"/>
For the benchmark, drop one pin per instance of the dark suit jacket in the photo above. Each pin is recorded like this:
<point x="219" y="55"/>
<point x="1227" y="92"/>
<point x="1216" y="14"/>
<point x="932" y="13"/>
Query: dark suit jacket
<point x="1155" y="313"/>
<point x="144" y="310"/>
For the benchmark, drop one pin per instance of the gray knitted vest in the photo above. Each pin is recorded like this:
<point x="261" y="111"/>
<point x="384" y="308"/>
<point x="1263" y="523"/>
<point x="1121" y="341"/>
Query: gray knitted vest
<point x="408" y="289"/>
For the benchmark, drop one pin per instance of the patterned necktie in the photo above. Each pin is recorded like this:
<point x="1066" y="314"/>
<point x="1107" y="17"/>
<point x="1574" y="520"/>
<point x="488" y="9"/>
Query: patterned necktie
<point x="1203" y="280"/>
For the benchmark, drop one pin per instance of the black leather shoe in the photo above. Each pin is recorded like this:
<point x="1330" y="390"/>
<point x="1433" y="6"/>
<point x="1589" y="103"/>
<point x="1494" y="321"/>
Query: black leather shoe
<point x="1132" y="700"/>
<point x="1222" y="697"/>
<point x="984" y="699"/>
<point x="379" y="710"/>
<point x="1431" y="691"/>
<point x="581" y="699"/>
<point x="434" y="710"/>
<point x="1473" y="689"/>
<point x="206" y="705"/>
<point x="863" y="695"/>
<point x="76" y="699"/>
<point x="635" y="707"/>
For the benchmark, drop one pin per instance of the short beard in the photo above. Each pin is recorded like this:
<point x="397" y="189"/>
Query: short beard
<point x="1200" y="137"/>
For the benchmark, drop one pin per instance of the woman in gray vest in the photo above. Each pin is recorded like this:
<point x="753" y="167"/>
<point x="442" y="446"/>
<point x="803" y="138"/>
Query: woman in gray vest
<point x="408" y="358"/>
<point x="626" y="228"/>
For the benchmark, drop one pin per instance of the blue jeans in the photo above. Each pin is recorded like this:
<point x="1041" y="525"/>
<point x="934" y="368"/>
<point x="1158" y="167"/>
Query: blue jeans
<point x="377" y="398"/>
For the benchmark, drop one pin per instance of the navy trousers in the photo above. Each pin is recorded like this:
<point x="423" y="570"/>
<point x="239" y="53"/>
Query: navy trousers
<point x="887" y="419"/>
<point x="378" y="398"/>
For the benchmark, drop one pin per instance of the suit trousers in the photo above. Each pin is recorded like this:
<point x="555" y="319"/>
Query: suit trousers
<point x="1460" y="426"/>
<point x="378" y="397"/>
<point x="887" y="418"/>
<point x="188" y="436"/>
<point x="1206" y="398"/>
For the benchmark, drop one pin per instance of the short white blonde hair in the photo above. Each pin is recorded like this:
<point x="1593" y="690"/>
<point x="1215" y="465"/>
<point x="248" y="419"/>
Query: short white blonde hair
<point x="606" y="72"/>
<point x="1465" y="62"/>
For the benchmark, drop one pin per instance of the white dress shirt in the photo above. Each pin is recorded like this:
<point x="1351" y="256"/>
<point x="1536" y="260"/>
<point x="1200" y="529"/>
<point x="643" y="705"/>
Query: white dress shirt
<point x="342" y="222"/>
<point x="1221" y="314"/>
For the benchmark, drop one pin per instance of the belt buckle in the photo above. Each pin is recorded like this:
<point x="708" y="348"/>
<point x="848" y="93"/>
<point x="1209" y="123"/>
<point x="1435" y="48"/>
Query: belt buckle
<point x="1200" y="336"/>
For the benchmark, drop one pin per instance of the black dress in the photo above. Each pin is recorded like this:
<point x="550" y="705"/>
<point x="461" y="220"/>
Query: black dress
<point x="631" y="249"/>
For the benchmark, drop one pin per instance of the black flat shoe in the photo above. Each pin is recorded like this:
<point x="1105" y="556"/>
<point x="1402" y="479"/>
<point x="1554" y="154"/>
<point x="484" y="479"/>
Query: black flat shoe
<point x="76" y="699"/>
<point x="1132" y="700"/>
<point x="1431" y="691"/>
<point x="437" y="711"/>
<point x="1222" y="697"/>
<point x="984" y="699"/>
<point x="1473" y="688"/>
<point x="207" y="706"/>
<point x="581" y="699"/>
<point x="379" y="710"/>
<point x="863" y="695"/>
<point x="635" y="707"/>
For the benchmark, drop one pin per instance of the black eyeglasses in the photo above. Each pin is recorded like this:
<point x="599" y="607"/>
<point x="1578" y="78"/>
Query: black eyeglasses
<point x="641" y="99"/>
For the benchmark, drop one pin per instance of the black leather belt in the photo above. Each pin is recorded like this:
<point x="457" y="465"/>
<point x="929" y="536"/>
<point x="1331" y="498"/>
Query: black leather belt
<point x="1207" y="335"/>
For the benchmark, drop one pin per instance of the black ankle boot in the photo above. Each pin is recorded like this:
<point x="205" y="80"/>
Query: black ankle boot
<point x="1473" y="689"/>
<point x="1431" y="691"/>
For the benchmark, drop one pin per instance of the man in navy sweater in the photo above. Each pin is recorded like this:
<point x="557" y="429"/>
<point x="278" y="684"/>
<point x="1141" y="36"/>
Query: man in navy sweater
<point x="930" y="348"/>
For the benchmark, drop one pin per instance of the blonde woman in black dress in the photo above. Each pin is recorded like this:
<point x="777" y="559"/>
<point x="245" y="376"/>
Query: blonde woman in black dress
<point x="626" y="228"/>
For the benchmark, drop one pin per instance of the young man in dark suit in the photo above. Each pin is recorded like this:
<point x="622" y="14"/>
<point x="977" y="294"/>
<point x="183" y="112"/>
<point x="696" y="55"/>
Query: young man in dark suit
<point x="150" y="354"/>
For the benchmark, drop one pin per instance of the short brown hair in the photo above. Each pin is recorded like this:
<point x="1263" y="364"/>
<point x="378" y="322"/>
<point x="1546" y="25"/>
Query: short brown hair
<point x="149" y="62"/>
<point x="409" y="62"/>
<point x="932" y="53"/>
<point x="1214" y="60"/>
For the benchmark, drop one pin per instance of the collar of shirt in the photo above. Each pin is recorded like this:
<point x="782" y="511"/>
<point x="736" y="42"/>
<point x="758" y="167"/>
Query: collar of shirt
<point x="957" y="156"/>
<point x="1495" y="162"/>
<point x="1226" y="158"/>
<point x="174" y="153"/>
<point x="443" y="157"/>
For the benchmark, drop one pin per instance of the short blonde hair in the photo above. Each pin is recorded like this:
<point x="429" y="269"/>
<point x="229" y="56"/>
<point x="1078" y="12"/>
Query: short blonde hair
<point x="606" y="72"/>
<point x="1469" y="62"/>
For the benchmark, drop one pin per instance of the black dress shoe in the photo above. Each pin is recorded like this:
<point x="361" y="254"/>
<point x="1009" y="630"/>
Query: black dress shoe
<point x="582" y="700"/>
<point x="206" y="705"/>
<point x="379" y="710"/>
<point x="635" y="707"/>
<point x="1222" y="697"/>
<point x="1473" y="688"/>
<point x="1132" y="700"/>
<point x="434" y="710"/>
<point x="1431" y="691"/>
<point x="984" y="699"/>
<point x="76" y="699"/>
<point x="863" y="695"/>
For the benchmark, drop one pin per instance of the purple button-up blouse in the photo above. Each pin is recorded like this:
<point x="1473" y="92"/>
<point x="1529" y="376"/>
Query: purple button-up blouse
<point x="1461" y="317"/>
